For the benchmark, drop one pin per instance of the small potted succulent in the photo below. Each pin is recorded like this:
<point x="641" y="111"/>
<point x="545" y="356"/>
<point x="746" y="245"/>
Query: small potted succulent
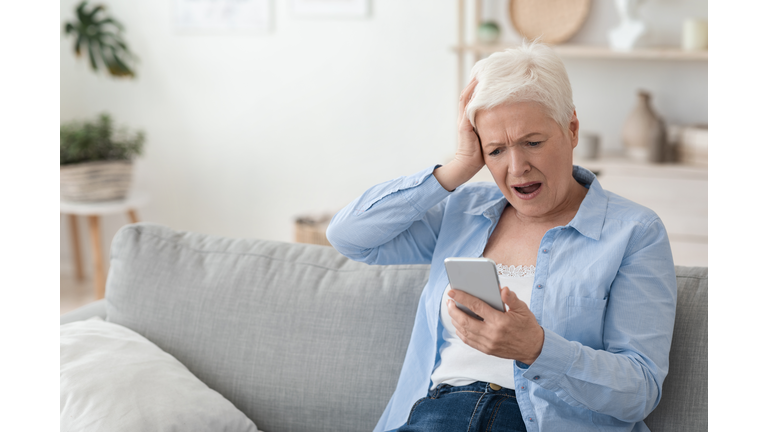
<point x="488" y="32"/>
<point x="97" y="160"/>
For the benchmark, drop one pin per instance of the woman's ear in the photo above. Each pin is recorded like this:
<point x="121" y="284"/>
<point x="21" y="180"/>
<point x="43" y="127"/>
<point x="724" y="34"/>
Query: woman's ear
<point x="573" y="128"/>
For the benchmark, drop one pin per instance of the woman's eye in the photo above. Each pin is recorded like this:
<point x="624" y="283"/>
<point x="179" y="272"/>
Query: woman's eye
<point x="534" y="144"/>
<point x="494" y="153"/>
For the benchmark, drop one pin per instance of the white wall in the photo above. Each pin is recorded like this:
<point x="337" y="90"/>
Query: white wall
<point x="245" y="132"/>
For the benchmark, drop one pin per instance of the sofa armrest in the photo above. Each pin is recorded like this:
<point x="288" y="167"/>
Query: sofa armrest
<point x="97" y="308"/>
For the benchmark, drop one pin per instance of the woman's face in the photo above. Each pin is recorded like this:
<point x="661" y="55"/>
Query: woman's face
<point x="530" y="157"/>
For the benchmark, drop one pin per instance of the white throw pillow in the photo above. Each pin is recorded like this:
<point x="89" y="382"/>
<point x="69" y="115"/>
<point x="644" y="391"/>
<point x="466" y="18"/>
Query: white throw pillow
<point x="114" y="379"/>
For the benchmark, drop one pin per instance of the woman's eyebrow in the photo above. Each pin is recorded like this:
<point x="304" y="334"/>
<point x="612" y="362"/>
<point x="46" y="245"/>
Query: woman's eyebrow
<point x="530" y="134"/>
<point x="502" y="144"/>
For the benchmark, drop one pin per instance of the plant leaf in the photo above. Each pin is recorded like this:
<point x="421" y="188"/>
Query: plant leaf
<point x="124" y="69"/>
<point x="92" y="55"/>
<point x="81" y="10"/>
<point x="94" y="11"/>
<point x="110" y="21"/>
<point x="117" y="41"/>
<point x="80" y="38"/>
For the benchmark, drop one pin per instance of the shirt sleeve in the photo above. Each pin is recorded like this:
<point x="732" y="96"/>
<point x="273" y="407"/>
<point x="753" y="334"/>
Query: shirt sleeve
<point x="624" y="380"/>
<point x="396" y="222"/>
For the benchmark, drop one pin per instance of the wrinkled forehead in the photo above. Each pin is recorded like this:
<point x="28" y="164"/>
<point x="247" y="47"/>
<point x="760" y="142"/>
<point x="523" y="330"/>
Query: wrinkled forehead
<point x="513" y="121"/>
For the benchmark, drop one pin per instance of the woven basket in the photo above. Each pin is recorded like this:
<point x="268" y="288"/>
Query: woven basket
<point x="311" y="229"/>
<point x="96" y="181"/>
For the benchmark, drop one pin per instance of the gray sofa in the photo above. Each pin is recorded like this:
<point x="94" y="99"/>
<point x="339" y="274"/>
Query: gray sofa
<point x="300" y="338"/>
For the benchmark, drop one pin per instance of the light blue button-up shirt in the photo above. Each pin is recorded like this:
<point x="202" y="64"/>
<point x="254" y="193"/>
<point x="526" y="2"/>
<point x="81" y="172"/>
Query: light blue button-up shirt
<point x="604" y="293"/>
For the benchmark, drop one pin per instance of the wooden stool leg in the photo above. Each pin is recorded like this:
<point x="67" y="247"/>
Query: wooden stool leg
<point x="99" y="281"/>
<point x="132" y="216"/>
<point x="76" y="246"/>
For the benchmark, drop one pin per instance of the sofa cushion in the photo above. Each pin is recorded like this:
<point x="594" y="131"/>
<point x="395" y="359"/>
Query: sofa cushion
<point x="296" y="336"/>
<point x="683" y="405"/>
<point x="112" y="379"/>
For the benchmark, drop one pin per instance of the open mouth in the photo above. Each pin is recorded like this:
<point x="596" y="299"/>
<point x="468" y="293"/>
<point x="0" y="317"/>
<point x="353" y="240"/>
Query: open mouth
<point x="528" y="188"/>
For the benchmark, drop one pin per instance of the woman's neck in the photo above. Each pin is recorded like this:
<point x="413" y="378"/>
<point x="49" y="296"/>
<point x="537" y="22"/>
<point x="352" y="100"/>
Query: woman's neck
<point x="563" y="213"/>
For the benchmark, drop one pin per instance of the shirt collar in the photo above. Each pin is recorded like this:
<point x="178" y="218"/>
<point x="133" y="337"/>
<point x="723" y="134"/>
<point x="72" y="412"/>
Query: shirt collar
<point x="589" y="219"/>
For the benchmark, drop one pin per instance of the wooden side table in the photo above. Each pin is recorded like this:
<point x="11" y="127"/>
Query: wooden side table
<point x="93" y="211"/>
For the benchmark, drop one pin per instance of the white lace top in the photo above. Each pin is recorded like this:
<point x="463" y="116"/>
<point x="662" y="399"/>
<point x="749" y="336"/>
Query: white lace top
<point x="461" y="364"/>
<point x="515" y="271"/>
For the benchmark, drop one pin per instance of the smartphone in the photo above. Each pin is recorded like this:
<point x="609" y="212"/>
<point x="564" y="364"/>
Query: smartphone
<point x="478" y="277"/>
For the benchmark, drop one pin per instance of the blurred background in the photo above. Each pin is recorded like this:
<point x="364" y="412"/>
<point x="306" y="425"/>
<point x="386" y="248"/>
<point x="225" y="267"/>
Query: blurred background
<point x="257" y="113"/>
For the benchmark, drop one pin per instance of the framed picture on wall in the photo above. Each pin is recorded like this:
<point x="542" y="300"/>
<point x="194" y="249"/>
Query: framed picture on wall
<point x="331" y="8"/>
<point x="222" y="15"/>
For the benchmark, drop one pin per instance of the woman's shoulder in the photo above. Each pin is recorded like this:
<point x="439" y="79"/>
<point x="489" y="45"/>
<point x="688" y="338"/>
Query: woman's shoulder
<point x="480" y="190"/>
<point x="475" y="197"/>
<point x="479" y="186"/>
<point x="625" y="209"/>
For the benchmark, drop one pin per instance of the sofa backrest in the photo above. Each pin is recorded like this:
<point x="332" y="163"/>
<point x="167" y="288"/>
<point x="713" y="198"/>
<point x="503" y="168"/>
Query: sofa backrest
<point x="683" y="406"/>
<point x="301" y="338"/>
<point x="297" y="336"/>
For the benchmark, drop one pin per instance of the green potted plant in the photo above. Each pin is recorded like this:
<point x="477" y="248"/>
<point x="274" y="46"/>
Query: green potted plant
<point x="97" y="159"/>
<point x="101" y="36"/>
<point x="488" y="32"/>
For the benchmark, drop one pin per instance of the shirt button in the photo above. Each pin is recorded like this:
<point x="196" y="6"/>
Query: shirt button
<point x="546" y="250"/>
<point x="539" y="286"/>
<point x="522" y="387"/>
<point x="536" y="377"/>
<point x="530" y="418"/>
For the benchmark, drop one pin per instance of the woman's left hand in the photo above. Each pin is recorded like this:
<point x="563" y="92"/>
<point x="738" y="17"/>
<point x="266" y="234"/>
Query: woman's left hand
<point x="514" y="334"/>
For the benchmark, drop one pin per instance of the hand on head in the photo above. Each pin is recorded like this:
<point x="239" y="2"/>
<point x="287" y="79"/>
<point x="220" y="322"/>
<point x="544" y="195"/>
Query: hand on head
<point x="514" y="334"/>
<point x="469" y="153"/>
<point x="468" y="159"/>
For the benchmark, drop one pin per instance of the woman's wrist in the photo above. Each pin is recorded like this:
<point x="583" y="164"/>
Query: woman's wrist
<point x="454" y="174"/>
<point x="538" y="345"/>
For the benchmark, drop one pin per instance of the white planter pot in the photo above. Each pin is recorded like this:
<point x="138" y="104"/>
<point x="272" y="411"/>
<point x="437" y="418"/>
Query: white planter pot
<point x="96" y="181"/>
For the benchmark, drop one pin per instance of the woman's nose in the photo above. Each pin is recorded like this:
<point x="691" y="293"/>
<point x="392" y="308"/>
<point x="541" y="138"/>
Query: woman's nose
<point x="518" y="162"/>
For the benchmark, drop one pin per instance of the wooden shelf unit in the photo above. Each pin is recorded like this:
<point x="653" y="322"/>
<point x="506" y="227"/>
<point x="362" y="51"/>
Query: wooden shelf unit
<point x="565" y="50"/>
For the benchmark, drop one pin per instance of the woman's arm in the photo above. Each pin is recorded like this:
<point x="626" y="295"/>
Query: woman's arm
<point x="623" y="380"/>
<point x="396" y="222"/>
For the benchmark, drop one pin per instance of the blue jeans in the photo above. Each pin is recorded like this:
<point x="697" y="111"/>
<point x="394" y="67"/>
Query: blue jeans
<point x="475" y="407"/>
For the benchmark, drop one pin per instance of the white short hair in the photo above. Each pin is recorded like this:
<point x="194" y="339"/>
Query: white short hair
<point x="529" y="73"/>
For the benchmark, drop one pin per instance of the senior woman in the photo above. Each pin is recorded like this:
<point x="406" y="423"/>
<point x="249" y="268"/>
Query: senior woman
<point x="587" y="275"/>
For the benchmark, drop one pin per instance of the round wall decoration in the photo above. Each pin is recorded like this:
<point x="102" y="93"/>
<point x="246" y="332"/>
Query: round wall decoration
<point x="555" y="21"/>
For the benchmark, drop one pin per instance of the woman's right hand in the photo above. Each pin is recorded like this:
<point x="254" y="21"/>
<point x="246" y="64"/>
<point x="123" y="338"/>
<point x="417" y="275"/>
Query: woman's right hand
<point x="468" y="159"/>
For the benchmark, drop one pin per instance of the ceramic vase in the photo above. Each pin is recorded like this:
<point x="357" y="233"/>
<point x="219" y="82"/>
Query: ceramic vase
<point x="644" y="134"/>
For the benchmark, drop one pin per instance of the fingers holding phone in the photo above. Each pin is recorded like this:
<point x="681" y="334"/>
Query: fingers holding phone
<point x="514" y="334"/>
<point x="491" y="319"/>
